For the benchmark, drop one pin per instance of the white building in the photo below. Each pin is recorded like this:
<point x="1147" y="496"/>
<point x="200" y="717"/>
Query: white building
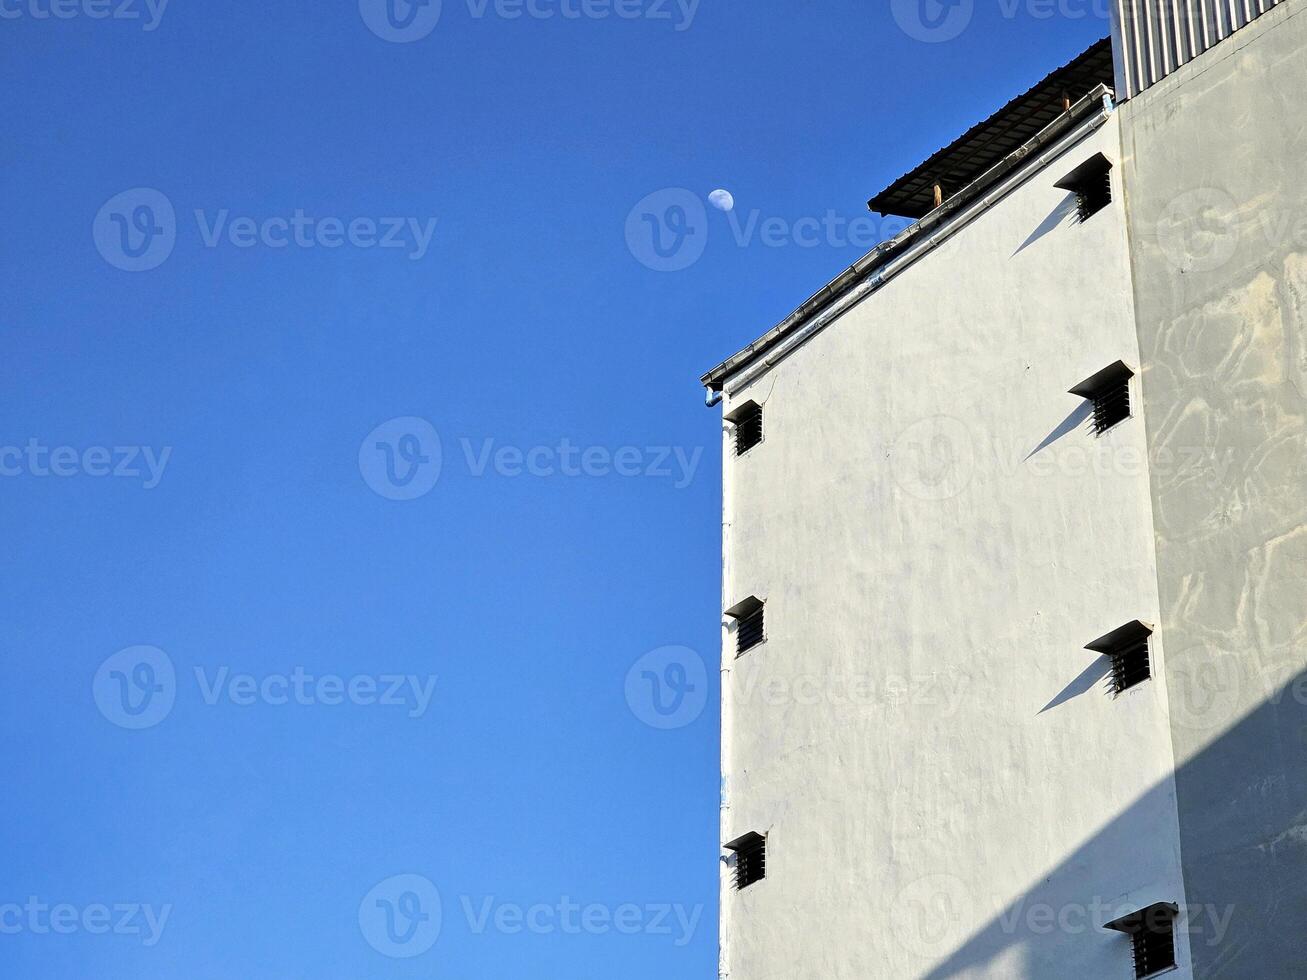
<point x="1015" y="545"/>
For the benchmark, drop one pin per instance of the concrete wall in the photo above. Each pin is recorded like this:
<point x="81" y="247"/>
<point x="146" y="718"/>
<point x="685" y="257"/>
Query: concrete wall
<point x="1217" y="197"/>
<point x="946" y="786"/>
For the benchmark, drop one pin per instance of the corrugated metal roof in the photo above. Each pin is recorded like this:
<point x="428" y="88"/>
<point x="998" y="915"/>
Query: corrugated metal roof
<point x="982" y="146"/>
<point x="1155" y="37"/>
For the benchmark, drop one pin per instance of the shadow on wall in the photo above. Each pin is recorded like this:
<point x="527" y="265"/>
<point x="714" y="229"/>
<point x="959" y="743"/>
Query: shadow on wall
<point x="1252" y="781"/>
<point x="1098" y="670"/>
<point x="1065" y="210"/>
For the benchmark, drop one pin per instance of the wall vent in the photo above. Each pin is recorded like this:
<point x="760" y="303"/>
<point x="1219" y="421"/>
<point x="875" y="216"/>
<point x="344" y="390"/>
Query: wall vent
<point x="1091" y="182"/>
<point x="747" y="420"/>
<point x="750" y="859"/>
<point x="749" y="631"/>
<point x="1109" y="390"/>
<point x="1152" y="935"/>
<point x="1128" y="649"/>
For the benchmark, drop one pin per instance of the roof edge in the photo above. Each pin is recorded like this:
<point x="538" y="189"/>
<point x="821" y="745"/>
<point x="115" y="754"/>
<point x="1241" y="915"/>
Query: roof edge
<point x="715" y="379"/>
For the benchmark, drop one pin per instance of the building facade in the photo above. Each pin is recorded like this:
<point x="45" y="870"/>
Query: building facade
<point x="1015" y="551"/>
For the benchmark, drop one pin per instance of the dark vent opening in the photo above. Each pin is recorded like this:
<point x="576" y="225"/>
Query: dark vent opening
<point x="750" y="631"/>
<point x="1091" y="182"/>
<point x="1095" y="195"/>
<point x="1152" y="937"/>
<point x="1112" y="406"/>
<point x="1109" y="391"/>
<point x="1128" y="649"/>
<point x="1154" y="950"/>
<point x="747" y="420"/>
<point x="1130" y="666"/>
<point x="750" y="859"/>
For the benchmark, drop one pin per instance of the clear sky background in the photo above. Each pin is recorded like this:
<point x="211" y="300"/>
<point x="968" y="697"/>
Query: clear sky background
<point x="296" y="828"/>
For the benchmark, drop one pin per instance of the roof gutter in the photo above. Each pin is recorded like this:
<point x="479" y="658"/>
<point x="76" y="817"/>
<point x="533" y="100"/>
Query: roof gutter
<point x="858" y="281"/>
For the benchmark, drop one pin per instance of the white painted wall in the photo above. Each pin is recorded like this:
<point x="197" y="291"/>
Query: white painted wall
<point x="929" y="590"/>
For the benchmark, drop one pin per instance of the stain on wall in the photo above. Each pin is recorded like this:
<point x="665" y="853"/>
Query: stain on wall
<point x="1217" y="213"/>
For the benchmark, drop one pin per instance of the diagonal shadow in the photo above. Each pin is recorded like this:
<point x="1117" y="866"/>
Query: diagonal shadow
<point x="1068" y="206"/>
<point x="1090" y="676"/>
<point x="1245" y="851"/>
<point x="1082" y="412"/>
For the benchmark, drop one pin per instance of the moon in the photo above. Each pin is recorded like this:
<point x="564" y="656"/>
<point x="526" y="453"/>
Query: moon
<point x="722" y="200"/>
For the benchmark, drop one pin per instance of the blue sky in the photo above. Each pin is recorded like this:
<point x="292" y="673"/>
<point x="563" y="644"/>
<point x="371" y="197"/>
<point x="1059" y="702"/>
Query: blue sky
<point x="359" y="502"/>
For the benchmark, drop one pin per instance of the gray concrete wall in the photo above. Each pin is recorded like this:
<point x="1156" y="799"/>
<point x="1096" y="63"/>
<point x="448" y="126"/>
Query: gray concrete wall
<point x="947" y="788"/>
<point x="1217" y="203"/>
